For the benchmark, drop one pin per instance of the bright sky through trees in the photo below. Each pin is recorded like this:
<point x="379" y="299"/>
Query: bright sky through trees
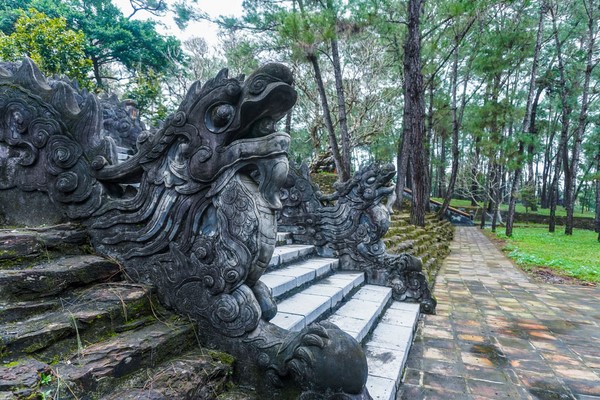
<point x="204" y="29"/>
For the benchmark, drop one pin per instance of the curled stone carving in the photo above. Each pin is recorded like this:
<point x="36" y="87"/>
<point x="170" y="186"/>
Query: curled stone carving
<point x="121" y="122"/>
<point x="200" y="221"/>
<point x="349" y="224"/>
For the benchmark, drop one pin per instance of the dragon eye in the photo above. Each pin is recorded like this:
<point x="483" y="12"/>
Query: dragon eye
<point x="219" y="117"/>
<point x="371" y="180"/>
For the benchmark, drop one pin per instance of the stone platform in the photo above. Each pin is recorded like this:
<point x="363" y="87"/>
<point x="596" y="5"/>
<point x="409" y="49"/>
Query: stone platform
<point x="500" y="335"/>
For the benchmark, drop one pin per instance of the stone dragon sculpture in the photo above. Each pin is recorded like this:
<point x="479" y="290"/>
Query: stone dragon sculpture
<point x="192" y="212"/>
<point x="349" y="224"/>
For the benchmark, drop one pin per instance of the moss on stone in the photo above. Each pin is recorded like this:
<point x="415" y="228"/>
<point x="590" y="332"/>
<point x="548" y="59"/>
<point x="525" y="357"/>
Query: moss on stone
<point x="11" y="364"/>
<point x="224" y="358"/>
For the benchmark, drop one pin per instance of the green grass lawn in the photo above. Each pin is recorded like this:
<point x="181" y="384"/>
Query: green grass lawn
<point x="560" y="211"/>
<point x="457" y="203"/>
<point x="577" y="256"/>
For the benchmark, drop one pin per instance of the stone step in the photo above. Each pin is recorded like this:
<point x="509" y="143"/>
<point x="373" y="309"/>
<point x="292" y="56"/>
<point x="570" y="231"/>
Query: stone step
<point x="369" y="315"/>
<point x="197" y="374"/>
<point x="22" y="379"/>
<point x="398" y="245"/>
<point x="360" y="313"/>
<point x="29" y="281"/>
<point x="88" y="315"/>
<point x="399" y="230"/>
<point x="16" y="244"/>
<point x="19" y="310"/>
<point x="309" y="305"/>
<point x="289" y="253"/>
<point x="98" y="368"/>
<point x="284" y="280"/>
<point x="387" y="349"/>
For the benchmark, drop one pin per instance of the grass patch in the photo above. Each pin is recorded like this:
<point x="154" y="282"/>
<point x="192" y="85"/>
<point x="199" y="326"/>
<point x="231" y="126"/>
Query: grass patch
<point x="577" y="256"/>
<point x="560" y="211"/>
<point x="456" y="203"/>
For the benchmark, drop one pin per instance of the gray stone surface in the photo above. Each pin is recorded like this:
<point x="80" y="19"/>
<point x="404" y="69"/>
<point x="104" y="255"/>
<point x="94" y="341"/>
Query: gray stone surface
<point x="381" y="388"/>
<point x="309" y="306"/>
<point x="368" y="312"/>
<point x="346" y="281"/>
<point x="47" y="278"/>
<point x="192" y="212"/>
<point x="349" y="224"/>
<point x="285" y="279"/>
<point x="82" y="315"/>
<point x="290" y="253"/>
<point x="499" y="333"/>
<point x="388" y="348"/>
<point x="98" y="366"/>
<point x="385" y="363"/>
<point x="360" y="313"/>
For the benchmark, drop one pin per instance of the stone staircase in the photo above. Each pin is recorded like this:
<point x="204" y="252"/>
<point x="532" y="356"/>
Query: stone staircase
<point x="310" y="288"/>
<point x="72" y="325"/>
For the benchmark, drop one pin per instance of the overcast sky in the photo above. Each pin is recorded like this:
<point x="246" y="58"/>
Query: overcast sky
<point x="203" y="29"/>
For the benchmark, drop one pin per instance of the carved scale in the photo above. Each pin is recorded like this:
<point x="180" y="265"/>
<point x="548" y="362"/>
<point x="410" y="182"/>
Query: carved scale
<point x="201" y="224"/>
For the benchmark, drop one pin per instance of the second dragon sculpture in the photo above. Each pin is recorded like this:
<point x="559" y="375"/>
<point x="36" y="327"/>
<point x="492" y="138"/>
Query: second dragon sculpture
<point x="193" y="212"/>
<point x="349" y="224"/>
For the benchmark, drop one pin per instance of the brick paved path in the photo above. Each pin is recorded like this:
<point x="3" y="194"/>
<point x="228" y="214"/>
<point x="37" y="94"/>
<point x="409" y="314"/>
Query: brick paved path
<point x="499" y="335"/>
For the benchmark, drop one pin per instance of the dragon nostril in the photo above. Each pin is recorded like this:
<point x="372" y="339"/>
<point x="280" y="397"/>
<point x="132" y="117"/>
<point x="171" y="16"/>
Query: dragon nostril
<point x="258" y="86"/>
<point x="233" y="90"/>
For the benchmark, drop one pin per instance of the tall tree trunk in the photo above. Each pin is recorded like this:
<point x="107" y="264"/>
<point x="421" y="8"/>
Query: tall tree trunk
<point x="571" y="181"/>
<point x="456" y="124"/>
<point x="597" y="214"/>
<point x="563" y="155"/>
<point x="402" y="157"/>
<point x="527" y="127"/>
<point x="96" y="69"/>
<point x="333" y="144"/>
<point x="430" y="148"/>
<point x="544" y="203"/>
<point x="554" y="189"/>
<point x="495" y="189"/>
<point x="496" y="138"/>
<point x="342" y="119"/>
<point x="455" y="128"/>
<point x="474" y="189"/>
<point x="414" y="113"/>
<point x="546" y="174"/>
<point x="486" y="203"/>
<point x="533" y="179"/>
<point x="441" y="171"/>
<point x="476" y="192"/>
<point x="510" y="218"/>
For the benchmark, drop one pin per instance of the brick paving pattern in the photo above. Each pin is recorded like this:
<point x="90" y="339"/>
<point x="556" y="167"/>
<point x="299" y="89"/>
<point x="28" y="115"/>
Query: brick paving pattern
<point x="499" y="335"/>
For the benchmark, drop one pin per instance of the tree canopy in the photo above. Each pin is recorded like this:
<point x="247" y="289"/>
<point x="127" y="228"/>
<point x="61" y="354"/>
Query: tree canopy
<point x="114" y="43"/>
<point x="49" y="43"/>
<point x="508" y="108"/>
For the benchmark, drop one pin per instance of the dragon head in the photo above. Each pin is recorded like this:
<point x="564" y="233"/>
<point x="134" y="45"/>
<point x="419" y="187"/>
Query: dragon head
<point x="370" y="184"/>
<point x="224" y="127"/>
